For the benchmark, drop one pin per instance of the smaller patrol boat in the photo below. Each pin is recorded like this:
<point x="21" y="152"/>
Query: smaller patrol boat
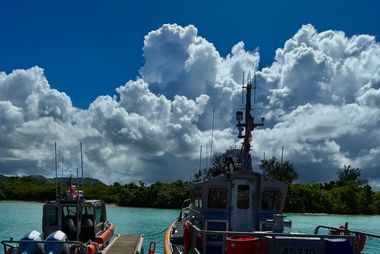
<point x="70" y="225"/>
<point x="241" y="211"/>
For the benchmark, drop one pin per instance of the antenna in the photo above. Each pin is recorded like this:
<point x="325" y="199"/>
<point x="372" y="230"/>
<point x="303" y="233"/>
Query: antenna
<point x="247" y="125"/>
<point x="254" y="88"/>
<point x="56" y="170"/>
<point x="62" y="177"/>
<point x="282" y="155"/>
<point x="242" y="90"/>
<point x="200" y="159"/>
<point x="81" y="163"/>
<point x="212" y="131"/>
<point x="206" y="154"/>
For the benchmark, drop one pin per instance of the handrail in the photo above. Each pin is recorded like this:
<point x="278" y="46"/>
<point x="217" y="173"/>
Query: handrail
<point x="351" y="235"/>
<point x="183" y="208"/>
<point x="257" y="234"/>
<point x="358" y="234"/>
<point x="345" y="230"/>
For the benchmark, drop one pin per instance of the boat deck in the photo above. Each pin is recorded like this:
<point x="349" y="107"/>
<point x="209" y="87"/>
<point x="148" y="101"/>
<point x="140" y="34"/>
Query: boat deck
<point x="126" y="244"/>
<point x="177" y="234"/>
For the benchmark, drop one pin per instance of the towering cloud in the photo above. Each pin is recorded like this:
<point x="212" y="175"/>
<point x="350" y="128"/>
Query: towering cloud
<point x="320" y="98"/>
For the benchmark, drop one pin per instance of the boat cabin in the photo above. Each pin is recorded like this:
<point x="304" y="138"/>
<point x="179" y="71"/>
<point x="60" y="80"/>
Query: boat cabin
<point x="237" y="201"/>
<point x="81" y="220"/>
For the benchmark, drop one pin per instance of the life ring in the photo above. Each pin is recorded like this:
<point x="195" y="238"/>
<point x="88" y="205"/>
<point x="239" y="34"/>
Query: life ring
<point x="340" y="231"/>
<point x="334" y="232"/>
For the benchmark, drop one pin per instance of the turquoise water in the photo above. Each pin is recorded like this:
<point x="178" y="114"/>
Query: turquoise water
<point x="18" y="218"/>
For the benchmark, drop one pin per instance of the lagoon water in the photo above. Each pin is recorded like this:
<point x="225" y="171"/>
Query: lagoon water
<point x="18" y="218"/>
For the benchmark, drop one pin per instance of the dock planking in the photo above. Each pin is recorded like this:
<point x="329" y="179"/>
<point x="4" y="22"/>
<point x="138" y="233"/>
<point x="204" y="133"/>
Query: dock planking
<point x="125" y="244"/>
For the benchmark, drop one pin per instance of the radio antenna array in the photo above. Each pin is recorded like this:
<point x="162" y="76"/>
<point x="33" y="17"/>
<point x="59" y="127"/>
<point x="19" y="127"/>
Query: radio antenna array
<point x="242" y="90"/>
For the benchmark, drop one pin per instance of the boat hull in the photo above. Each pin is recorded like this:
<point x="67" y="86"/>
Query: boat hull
<point x="104" y="238"/>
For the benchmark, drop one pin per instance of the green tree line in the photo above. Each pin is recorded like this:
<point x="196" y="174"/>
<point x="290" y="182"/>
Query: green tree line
<point x="157" y="195"/>
<point x="349" y="194"/>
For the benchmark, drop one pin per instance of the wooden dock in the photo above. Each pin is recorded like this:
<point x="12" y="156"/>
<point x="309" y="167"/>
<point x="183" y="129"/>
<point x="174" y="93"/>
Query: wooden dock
<point x="125" y="244"/>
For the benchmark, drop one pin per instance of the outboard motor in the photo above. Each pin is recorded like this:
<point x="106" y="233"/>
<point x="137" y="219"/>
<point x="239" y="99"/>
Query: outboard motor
<point x="30" y="247"/>
<point x="56" y="243"/>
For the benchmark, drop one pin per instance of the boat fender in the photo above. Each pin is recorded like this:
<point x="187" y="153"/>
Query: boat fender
<point x="10" y="250"/>
<point x="106" y="236"/>
<point x="152" y="247"/>
<point x="187" y="237"/>
<point x="362" y="240"/>
<point x="92" y="249"/>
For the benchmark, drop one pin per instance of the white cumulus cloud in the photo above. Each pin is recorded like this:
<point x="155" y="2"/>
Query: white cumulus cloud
<point x="320" y="98"/>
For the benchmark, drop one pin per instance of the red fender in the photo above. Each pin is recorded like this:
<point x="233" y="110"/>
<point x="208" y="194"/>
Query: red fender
<point x="9" y="250"/>
<point x="362" y="240"/>
<point x="93" y="249"/>
<point x="187" y="237"/>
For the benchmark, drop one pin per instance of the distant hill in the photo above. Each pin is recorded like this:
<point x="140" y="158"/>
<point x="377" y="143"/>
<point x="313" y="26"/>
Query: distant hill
<point x="86" y="180"/>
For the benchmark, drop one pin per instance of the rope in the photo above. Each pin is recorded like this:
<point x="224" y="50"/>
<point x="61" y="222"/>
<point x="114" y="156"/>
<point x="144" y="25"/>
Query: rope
<point x="155" y="233"/>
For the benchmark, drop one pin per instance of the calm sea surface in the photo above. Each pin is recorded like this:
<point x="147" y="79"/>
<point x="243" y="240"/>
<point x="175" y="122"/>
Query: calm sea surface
<point x="18" y="218"/>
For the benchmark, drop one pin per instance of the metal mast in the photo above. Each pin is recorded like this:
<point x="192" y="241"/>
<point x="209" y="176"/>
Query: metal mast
<point x="247" y="126"/>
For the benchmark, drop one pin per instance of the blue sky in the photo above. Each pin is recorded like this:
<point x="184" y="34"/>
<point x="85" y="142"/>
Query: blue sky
<point x="137" y="82"/>
<point x="89" y="48"/>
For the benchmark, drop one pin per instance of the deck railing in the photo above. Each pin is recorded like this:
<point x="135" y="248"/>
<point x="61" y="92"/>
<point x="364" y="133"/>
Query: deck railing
<point x="351" y="236"/>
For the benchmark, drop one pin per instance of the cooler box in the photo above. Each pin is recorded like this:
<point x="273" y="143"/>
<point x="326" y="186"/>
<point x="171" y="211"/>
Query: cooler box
<point x="338" y="246"/>
<point x="237" y="245"/>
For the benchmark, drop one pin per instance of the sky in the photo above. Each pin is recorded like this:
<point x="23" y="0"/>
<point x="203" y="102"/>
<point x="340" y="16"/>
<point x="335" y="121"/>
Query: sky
<point x="145" y="84"/>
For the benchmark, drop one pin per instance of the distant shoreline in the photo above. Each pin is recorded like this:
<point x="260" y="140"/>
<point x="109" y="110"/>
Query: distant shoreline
<point x="285" y="213"/>
<point x="16" y="201"/>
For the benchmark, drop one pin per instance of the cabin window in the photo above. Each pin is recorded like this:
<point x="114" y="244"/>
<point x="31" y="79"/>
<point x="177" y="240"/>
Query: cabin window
<point x="70" y="211"/>
<point x="197" y="197"/>
<point x="88" y="214"/>
<point x="271" y="200"/>
<point x="217" y="198"/>
<point x="98" y="214"/>
<point x="243" y="197"/>
<point x="51" y="216"/>
<point x="70" y="221"/>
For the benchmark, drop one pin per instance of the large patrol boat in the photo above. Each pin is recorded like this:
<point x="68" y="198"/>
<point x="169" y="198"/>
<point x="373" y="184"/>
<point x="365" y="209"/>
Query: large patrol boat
<point x="241" y="211"/>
